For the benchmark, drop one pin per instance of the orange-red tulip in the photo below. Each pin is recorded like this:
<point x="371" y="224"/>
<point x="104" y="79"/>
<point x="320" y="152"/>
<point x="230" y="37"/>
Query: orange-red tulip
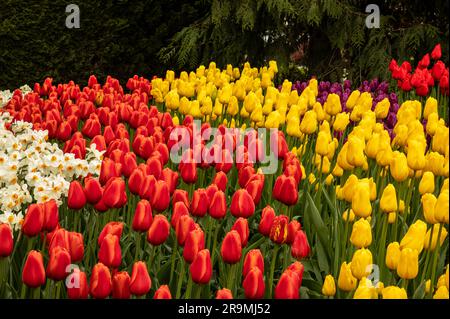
<point x="285" y="190"/>
<point x="110" y="253"/>
<point x="113" y="228"/>
<point x="57" y="264"/>
<point x="293" y="227"/>
<point x="267" y="217"/>
<point x="114" y="195"/>
<point x="221" y="180"/>
<point x="140" y="283"/>
<point x="76" y="199"/>
<point x="242" y="204"/>
<point x="158" y="231"/>
<point x="33" y="273"/>
<point x="78" y="289"/>
<point x="6" y="240"/>
<point x="100" y="285"/>
<point x="34" y="220"/>
<point x="121" y="285"/>
<point x="195" y="242"/>
<point x="241" y="226"/>
<point x="180" y="195"/>
<point x="184" y="226"/>
<point x="93" y="190"/>
<point x="201" y="269"/>
<point x="254" y="258"/>
<point x="231" y="249"/>
<point x="51" y="215"/>
<point x="224" y="293"/>
<point x="300" y="247"/>
<point x="218" y="205"/>
<point x="288" y="286"/>
<point x="253" y="284"/>
<point x="199" y="203"/>
<point x="76" y="246"/>
<point x="163" y="292"/>
<point x="142" y="216"/>
<point x="160" y="197"/>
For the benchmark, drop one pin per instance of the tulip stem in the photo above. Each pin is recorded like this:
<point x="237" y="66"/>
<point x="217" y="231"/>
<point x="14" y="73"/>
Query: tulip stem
<point x="180" y="278"/>
<point x="138" y="246"/>
<point x="172" y="262"/>
<point x="435" y="259"/>
<point x="187" y="295"/>
<point x="230" y="281"/>
<point x="272" y="269"/>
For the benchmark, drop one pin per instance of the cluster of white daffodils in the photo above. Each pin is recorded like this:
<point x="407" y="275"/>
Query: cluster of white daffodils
<point x="34" y="170"/>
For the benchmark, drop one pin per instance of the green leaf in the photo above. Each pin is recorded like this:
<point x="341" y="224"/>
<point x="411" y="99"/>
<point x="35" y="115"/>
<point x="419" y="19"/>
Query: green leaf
<point x="317" y="221"/>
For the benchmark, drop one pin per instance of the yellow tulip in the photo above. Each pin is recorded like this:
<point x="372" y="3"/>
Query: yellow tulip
<point x="382" y="108"/>
<point x="435" y="230"/>
<point x="346" y="280"/>
<point x="361" y="236"/>
<point x="355" y="152"/>
<point x="388" y="201"/>
<point x="329" y="286"/>
<point x="446" y="277"/>
<point x="414" y="237"/>
<point x="441" y="293"/>
<point x="441" y="210"/>
<point x="341" y="121"/>
<point x="426" y="184"/>
<point x="348" y="215"/>
<point x="392" y="217"/>
<point x="416" y="155"/>
<point x="337" y="171"/>
<point x="428" y="205"/>
<point x="351" y="101"/>
<point x="342" y="158"/>
<point x="408" y="264"/>
<point x="349" y="186"/>
<point x="432" y="123"/>
<point x="394" y="292"/>
<point x="322" y="142"/>
<point x="430" y="107"/>
<point x="399" y="167"/>
<point x="441" y="281"/>
<point x="308" y="124"/>
<point x="361" y="264"/>
<point x="333" y="104"/>
<point x="393" y="255"/>
<point x="440" y="139"/>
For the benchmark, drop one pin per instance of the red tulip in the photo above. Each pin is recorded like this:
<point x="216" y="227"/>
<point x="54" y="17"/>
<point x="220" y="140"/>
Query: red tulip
<point x="254" y="258"/>
<point x="100" y="285"/>
<point x="140" y="283"/>
<point x="188" y="172"/>
<point x="121" y="285"/>
<point x="436" y="53"/>
<point x="135" y="181"/>
<point x="108" y="134"/>
<point x="180" y="195"/>
<point x="221" y="180"/>
<point x="76" y="199"/>
<point x="154" y="166"/>
<point x="163" y="292"/>
<point x="288" y="286"/>
<point x="298" y="268"/>
<point x="108" y="170"/>
<point x="255" y="186"/>
<point x="160" y="197"/>
<point x="285" y="190"/>
<point x="59" y="238"/>
<point x="244" y="175"/>
<point x="79" y="288"/>
<point x="171" y="178"/>
<point x="218" y="206"/>
<point x="129" y="164"/>
<point x="279" y="230"/>
<point x="159" y="230"/>
<point x="231" y="249"/>
<point x="114" y="194"/>
<point x="142" y="216"/>
<point x="113" y="228"/>
<point x="33" y="273"/>
<point x="242" y="204"/>
<point x="199" y="203"/>
<point x="224" y="293"/>
<point x="201" y="269"/>
<point x="93" y="190"/>
<point x="253" y="284"/>
<point x="184" y="226"/>
<point x="148" y="187"/>
<point x="110" y="253"/>
<point x="76" y="246"/>
<point x="293" y="227"/>
<point x="91" y="128"/>
<point x="34" y="220"/>
<point x="424" y="62"/>
<point x="57" y="264"/>
<point x="100" y="143"/>
<point x="195" y="242"/>
<point x="267" y="217"/>
<point x="241" y="226"/>
<point x="6" y="240"/>
<point x="300" y="246"/>
<point x="210" y="191"/>
<point x="178" y="210"/>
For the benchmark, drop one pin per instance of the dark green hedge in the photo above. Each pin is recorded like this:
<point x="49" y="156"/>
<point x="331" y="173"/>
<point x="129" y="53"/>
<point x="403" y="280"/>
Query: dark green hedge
<point x="120" y="38"/>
